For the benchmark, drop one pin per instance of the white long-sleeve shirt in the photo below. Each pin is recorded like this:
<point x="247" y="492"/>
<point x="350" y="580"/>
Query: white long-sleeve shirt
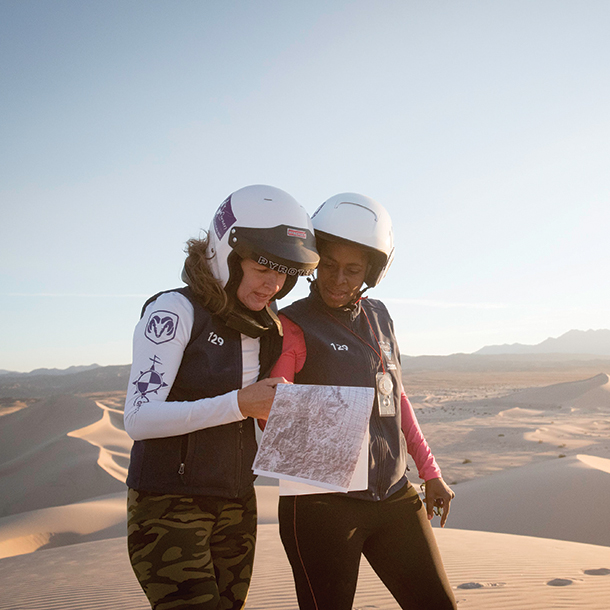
<point x="159" y="341"/>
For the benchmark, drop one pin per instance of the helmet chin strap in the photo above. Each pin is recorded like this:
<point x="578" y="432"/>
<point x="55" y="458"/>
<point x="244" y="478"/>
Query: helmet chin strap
<point x="252" y="323"/>
<point x="361" y="293"/>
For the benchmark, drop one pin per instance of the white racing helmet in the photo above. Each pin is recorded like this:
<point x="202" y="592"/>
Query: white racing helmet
<point x="361" y="221"/>
<point x="267" y="225"/>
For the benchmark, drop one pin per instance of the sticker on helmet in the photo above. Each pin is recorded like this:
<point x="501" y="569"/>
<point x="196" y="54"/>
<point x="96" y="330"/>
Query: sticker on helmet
<point x="161" y="326"/>
<point x="224" y="218"/>
<point x="296" y="233"/>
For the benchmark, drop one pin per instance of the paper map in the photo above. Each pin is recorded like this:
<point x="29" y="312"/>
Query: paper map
<point x="315" y="434"/>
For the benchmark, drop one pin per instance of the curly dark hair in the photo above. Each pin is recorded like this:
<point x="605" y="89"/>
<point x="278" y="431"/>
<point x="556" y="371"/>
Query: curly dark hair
<point x="205" y="286"/>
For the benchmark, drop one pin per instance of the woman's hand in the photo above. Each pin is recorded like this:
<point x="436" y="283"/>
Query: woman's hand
<point x="255" y="400"/>
<point x="438" y="493"/>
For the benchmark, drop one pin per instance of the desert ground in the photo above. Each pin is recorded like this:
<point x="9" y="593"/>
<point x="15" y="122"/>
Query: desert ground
<point x="524" y="442"/>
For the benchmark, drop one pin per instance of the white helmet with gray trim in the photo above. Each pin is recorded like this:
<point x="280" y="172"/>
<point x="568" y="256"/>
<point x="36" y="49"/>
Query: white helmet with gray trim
<point x="359" y="220"/>
<point x="267" y="225"/>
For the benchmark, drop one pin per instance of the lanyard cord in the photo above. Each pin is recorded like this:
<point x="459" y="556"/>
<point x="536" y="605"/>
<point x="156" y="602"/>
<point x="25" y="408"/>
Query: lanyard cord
<point x="377" y="353"/>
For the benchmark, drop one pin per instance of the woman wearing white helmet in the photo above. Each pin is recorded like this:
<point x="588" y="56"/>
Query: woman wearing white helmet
<point x="201" y="357"/>
<point x="336" y="337"/>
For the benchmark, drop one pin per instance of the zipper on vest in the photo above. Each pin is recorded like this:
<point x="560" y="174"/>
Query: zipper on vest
<point x="378" y="431"/>
<point x="379" y="479"/>
<point x="183" y="453"/>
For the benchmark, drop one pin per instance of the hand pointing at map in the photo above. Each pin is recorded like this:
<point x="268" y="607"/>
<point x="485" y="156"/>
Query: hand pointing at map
<point x="255" y="400"/>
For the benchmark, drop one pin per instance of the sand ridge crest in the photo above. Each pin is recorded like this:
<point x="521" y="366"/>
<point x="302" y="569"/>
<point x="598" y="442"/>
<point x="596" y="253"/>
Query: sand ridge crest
<point x="567" y="393"/>
<point x="113" y="442"/>
<point x="550" y="499"/>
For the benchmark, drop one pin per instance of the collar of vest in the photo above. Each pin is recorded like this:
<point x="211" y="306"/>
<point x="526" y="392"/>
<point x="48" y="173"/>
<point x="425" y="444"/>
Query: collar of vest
<point x="253" y="324"/>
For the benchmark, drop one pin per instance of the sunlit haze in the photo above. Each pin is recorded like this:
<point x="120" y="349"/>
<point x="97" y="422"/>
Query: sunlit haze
<point x="483" y="127"/>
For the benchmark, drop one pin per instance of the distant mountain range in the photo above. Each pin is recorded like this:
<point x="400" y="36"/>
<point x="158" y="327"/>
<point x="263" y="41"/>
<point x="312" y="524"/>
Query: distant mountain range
<point x="75" y="380"/>
<point x="594" y="342"/>
<point x="68" y="371"/>
<point x="94" y="378"/>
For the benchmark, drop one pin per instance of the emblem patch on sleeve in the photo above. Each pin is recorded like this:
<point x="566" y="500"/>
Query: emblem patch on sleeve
<point x="149" y="382"/>
<point x="161" y="326"/>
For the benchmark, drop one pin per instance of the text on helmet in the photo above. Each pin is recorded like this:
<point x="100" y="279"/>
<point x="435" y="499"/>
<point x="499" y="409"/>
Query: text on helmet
<point x="283" y="268"/>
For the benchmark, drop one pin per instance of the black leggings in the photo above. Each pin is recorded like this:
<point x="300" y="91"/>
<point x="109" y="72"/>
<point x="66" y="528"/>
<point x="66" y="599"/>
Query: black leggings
<point x="325" y="534"/>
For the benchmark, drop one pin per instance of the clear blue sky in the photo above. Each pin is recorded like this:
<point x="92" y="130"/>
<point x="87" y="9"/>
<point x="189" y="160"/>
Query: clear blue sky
<point x="482" y="126"/>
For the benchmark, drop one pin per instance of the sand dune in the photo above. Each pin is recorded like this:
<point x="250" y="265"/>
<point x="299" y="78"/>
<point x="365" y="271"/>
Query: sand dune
<point x="95" y="519"/>
<point x="517" y="529"/>
<point x="113" y="442"/>
<point x="79" y="459"/>
<point x="43" y="463"/>
<point x="479" y="437"/>
<point x="588" y="393"/>
<point x="517" y="573"/>
<point x="99" y="447"/>
<point x="40" y="424"/>
<point x="560" y="499"/>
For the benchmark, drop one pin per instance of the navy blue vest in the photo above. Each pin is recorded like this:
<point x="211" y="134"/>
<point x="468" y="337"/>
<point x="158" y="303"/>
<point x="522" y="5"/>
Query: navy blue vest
<point x="213" y="461"/>
<point x="336" y="356"/>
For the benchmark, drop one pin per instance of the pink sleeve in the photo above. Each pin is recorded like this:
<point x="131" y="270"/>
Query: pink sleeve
<point x="416" y="443"/>
<point x="294" y="351"/>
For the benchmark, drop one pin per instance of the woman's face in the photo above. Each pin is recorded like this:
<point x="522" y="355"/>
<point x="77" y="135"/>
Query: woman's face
<point x="259" y="285"/>
<point x="341" y="273"/>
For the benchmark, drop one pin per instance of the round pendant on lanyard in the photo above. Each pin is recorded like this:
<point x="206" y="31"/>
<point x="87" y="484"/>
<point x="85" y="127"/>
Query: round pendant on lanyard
<point x="385" y="395"/>
<point x="385" y="384"/>
<point x="384" y="381"/>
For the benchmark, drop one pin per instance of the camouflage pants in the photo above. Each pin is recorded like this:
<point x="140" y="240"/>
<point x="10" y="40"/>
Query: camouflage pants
<point x="192" y="552"/>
